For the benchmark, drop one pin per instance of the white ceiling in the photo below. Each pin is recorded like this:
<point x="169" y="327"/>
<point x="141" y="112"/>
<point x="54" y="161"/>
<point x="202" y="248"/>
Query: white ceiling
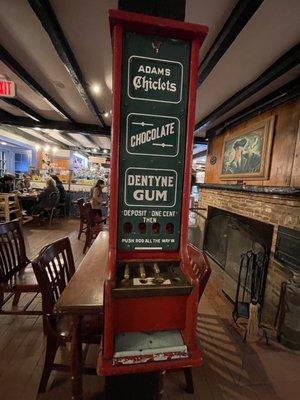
<point x="272" y="30"/>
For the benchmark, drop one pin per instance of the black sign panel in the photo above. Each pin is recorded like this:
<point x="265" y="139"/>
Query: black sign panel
<point x="155" y="74"/>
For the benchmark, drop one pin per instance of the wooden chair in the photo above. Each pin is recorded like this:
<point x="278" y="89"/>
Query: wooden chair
<point x="83" y="219"/>
<point x="51" y="208"/>
<point x="16" y="275"/>
<point x="94" y="224"/>
<point x="54" y="267"/>
<point x="201" y="267"/>
<point x="9" y="205"/>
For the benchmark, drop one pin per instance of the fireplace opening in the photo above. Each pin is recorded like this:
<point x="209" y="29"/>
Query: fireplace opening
<point x="227" y="237"/>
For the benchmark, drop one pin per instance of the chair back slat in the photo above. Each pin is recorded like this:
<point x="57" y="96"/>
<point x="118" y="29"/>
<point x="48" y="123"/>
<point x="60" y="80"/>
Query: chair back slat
<point x="53" y="268"/>
<point x="53" y="200"/>
<point x="200" y="266"/>
<point x="12" y="250"/>
<point x="87" y="212"/>
<point x="80" y="203"/>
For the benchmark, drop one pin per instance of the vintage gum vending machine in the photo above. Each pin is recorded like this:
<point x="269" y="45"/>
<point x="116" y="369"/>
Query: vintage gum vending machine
<point x="151" y="293"/>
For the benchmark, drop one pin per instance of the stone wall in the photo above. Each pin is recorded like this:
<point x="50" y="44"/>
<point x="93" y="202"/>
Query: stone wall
<point x="269" y="208"/>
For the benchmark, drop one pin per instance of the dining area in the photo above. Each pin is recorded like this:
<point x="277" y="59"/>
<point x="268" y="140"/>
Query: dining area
<point x="43" y="295"/>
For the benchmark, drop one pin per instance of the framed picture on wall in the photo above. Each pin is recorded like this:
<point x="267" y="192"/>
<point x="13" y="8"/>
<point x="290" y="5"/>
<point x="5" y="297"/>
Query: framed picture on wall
<point x="246" y="155"/>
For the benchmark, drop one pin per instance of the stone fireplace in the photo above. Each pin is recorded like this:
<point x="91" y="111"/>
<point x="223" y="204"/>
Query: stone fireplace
<point x="251" y="216"/>
<point x="228" y="236"/>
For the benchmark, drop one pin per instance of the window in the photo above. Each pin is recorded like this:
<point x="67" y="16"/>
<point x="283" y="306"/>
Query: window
<point x="2" y="162"/>
<point x="21" y="163"/>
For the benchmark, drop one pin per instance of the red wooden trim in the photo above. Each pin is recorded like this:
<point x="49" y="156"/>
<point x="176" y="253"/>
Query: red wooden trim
<point x="106" y="368"/>
<point x="157" y="26"/>
<point x="116" y="108"/>
<point x="148" y="255"/>
<point x="108" y="337"/>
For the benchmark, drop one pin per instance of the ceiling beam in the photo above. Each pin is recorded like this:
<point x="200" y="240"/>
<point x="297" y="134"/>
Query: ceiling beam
<point x="23" y="107"/>
<point x="48" y="137"/>
<point x="286" y="62"/>
<point x="241" y="14"/>
<point x="279" y="96"/>
<point x="25" y="135"/>
<point x="199" y="140"/>
<point x="18" y="70"/>
<point x="12" y="118"/>
<point x="74" y="127"/>
<point x="53" y="140"/>
<point x="47" y="17"/>
<point x="93" y="141"/>
<point x="173" y="9"/>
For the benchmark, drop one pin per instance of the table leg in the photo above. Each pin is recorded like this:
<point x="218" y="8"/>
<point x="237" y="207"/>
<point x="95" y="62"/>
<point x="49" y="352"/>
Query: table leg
<point x="76" y="359"/>
<point x="159" y="385"/>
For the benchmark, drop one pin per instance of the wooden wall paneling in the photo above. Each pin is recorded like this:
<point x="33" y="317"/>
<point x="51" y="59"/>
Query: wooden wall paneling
<point x="295" y="181"/>
<point x="284" y="143"/>
<point x="214" y="149"/>
<point x="283" y="172"/>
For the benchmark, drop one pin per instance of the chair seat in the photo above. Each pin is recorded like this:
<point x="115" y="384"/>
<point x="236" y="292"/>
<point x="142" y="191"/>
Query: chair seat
<point x="91" y="327"/>
<point x="25" y="278"/>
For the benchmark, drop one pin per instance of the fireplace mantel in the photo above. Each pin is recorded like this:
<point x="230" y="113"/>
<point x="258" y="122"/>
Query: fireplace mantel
<point x="280" y="190"/>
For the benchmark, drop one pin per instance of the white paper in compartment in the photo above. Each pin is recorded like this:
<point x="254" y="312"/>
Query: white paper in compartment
<point x="136" y="282"/>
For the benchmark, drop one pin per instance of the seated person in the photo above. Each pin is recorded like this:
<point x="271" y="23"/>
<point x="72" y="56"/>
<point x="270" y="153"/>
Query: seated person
<point x="23" y="183"/>
<point x="97" y="195"/>
<point x="43" y="200"/>
<point x="61" y="189"/>
<point x="97" y="198"/>
<point x="7" y="183"/>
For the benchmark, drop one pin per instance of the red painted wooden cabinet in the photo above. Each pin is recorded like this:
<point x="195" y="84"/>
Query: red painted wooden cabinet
<point x="151" y="294"/>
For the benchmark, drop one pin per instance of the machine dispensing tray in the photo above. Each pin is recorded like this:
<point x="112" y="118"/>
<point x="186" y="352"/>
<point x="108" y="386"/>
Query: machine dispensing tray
<point x="143" y="347"/>
<point x="171" y="280"/>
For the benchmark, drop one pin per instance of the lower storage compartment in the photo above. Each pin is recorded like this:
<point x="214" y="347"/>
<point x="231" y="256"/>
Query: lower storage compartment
<point x="144" y="347"/>
<point x="145" y="314"/>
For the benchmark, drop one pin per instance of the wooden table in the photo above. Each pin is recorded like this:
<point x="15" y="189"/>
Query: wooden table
<point x="84" y="295"/>
<point x="28" y="196"/>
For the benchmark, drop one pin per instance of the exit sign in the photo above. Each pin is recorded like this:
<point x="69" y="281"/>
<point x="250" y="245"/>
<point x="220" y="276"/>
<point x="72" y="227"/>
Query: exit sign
<point x="7" y="88"/>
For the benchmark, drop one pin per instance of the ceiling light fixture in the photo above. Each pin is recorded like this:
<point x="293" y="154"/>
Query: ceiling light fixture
<point x="37" y="128"/>
<point x="47" y="147"/>
<point x="96" y="88"/>
<point x="37" y="147"/>
<point x="106" y="114"/>
<point x="54" y="149"/>
<point x="4" y="143"/>
<point x="95" y="150"/>
<point x="105" y="151"/>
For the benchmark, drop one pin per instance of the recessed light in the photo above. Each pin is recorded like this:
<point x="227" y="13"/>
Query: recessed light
<point x="96" y="88"/>
<point x="4" y="143"/>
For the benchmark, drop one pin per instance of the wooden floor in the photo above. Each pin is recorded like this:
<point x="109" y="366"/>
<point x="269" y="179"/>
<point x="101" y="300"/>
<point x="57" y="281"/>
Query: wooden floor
<point x="232" y="370"/>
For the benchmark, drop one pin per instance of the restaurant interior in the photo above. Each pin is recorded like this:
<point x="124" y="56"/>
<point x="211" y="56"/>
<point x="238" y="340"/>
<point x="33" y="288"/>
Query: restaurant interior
<point x="149" y="235"/>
